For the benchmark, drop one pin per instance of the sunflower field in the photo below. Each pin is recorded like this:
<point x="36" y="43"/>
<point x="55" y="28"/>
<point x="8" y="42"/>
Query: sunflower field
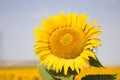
<point x="19" y="73"/>
<point x="32" y="73"/>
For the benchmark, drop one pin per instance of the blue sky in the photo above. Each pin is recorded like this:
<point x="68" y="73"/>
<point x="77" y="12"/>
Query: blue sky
<point x="19" y="17"/>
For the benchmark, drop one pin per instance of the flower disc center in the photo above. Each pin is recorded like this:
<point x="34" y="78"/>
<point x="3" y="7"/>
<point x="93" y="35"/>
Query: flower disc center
<point x="66" y="39"/>
<point x="67" y="43"/>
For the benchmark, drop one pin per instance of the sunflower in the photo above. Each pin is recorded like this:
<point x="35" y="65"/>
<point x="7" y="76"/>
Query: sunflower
<point x="66" y="41"/>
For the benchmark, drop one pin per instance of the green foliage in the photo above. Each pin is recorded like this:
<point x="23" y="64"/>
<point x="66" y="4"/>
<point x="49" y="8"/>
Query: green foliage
<point x="44" y="74"/>
<point x="95" y="63"/>
<point x="99" y="77"/>
<point x="52" y="75"/>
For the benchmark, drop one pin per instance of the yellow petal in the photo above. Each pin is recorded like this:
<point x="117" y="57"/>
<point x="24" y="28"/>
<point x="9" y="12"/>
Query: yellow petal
<point x="62" y="20"/>
<point x="84" y="55"/>
<point x="90" y="24"/>
<point x="47" y="26"/>
<point x="94" y="34"/>
<point x="51" y="61"/>
<point x="41" y="49"/>
<point x="68" y="63"/>
<point x="77" y="66"/>
<point x="71" y="64"/>
<point x="81" y="21"/>
<point x="57" y="68"/>
<point x="41" y="35"/>
<point x="54" y="61"/>
<point x="94" y="40"/>
<point x="61" y="64"/>
<point x="68" y="19"/>
<point x="42" y="53"/>
<point x="92" y="45"/>
<point x="87" y="63"/>
<point x="66" y="66"/>
<point x="52" y="22"/>
<point x="49" y="65"/>
<point x="74" y="19"/>
<point x="40" y="44"/>
<point x="47" y="59"/>
<point x="43" y="61"/>
<point x="90" y="53"/>
<point x="55" y="64"/>
<point x="92" y="30"/>
<point x="81" y="62"/>
<point x="57" y="22"/>
<point x="37" y="30"/>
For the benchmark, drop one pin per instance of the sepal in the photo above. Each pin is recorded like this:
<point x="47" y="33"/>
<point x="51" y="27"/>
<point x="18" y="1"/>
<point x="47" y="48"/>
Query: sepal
<point x="95" y="62"/>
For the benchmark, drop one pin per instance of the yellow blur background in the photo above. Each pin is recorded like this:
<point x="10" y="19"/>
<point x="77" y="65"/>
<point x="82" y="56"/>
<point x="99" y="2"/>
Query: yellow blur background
<point x="19" y="70"/>
<point x="30" y="71"/>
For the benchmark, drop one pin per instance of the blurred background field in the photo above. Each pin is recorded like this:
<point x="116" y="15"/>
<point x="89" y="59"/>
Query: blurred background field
<point x="19" y="70"/>
<point x="30" y="71"/>
<point x="18" y="18"/>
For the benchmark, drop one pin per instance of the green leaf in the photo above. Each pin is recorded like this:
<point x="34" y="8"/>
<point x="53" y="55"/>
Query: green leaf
<point x="52" y="75"/>
<point x="67" y="78"/>
<point x="44" y="74"/>
<point x="100" y="77"/>
<point x="95" y="62"/>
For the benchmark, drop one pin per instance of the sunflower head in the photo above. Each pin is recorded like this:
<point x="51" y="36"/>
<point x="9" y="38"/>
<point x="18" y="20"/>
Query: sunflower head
<point x="66" y="41"/>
